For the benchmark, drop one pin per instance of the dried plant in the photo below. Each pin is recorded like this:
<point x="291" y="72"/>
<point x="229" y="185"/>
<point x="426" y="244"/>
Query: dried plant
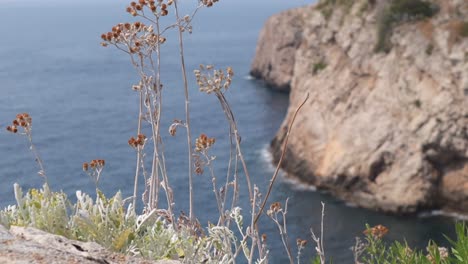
<point x="157" y="232"/>
<point x="23" y="125"/>
<point x="275" y="211"/>
<point x="319" y="240"/>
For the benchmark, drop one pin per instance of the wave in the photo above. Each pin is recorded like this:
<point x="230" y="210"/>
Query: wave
<point x="433" y="213"/>
<point x="295" y="183"/>
<point x="249" y="77"/>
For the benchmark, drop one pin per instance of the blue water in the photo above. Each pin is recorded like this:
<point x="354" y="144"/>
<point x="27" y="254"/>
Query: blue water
<point x="78" y="93"/>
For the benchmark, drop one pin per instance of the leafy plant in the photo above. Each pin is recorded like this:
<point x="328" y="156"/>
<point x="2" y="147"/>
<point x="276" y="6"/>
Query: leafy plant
<point x="319" y="66"/>
<point x="400" y="11"/>
<point x="157" y="232"/>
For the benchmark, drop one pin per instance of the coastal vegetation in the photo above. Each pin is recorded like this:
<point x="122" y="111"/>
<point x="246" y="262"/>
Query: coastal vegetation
<point x="400" y="11"/>
<point x="158" y="232"/>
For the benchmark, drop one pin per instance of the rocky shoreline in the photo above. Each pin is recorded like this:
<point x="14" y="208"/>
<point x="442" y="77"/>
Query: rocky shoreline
<point x="385" y="130"/>
<point x="30" y="245"/>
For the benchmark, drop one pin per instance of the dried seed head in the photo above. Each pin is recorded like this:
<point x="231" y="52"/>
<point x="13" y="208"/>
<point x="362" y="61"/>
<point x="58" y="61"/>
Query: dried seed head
<point x="85" y="166"/>
<point x="12" y="129"/>
<point x="203" y="143"/>
<point x="377" y="231"/>
<point x="301" y="243"/>
<point x="275" y="207"/>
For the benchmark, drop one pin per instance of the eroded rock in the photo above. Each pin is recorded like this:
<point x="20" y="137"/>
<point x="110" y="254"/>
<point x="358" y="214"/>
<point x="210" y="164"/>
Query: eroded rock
<point x="387" y="131"/>
<point x="29" y="245"/>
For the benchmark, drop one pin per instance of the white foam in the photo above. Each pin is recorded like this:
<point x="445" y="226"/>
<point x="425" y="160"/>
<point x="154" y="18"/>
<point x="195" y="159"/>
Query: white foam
<point x="295" y="183"/>
<point x="454" y="215"/>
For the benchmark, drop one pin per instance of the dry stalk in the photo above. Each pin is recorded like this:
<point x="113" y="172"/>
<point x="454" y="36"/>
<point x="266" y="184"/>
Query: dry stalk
<point x="278" y="166"/>
<point x="319" y="241"/>
<point x="187" y="110"/>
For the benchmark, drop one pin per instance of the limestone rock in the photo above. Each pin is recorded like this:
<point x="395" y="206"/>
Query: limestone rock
<point x="386" y="131"/>
<point x="29" y="245"/>
<point x="281" y="36"/>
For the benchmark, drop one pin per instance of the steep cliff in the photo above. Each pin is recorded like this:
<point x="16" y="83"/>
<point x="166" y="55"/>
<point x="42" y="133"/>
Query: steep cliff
<point x="386" y="125"/>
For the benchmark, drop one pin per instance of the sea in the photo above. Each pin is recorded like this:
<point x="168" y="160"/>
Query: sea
<point x="82" y="106"/>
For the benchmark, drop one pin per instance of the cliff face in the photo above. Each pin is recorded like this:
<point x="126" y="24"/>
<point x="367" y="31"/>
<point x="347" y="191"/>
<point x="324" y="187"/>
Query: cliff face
<point x="386" y="127"/>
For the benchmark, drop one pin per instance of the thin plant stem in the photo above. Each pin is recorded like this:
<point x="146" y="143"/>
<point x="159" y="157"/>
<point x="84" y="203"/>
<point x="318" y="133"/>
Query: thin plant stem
<point x="230" y="117"/>
<point x="319" y="241"/>
<point x="278" y="166"/>
<point x="137" y="169"/>
<point x="187" y="112"/>
<point x="37" y="157"/>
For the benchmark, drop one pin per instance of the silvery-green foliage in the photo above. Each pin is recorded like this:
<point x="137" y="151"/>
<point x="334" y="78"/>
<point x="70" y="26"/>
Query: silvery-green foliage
<point x="42" y="209"/>
<point x="104" y="221"/>
<point x="107" y="222"/>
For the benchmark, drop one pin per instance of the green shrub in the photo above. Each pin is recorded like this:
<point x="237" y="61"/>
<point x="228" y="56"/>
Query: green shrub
<point x="400" y="11"/>
<point x="374" y="250"/>
<point x="463" y="31"/>
<point x="328" y="6"/>
<point x="319" y="66"/>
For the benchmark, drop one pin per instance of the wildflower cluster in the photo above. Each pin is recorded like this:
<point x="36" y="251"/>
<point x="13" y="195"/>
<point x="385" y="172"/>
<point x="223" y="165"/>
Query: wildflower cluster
<point x="136" y="142"/>
<point x="22" y="120"/>
<point x="94" y="164"/>
<point x="215" y="82"/>
<point x="94" y="169"/>
<point x="203" y="143"/>
<point x="209" y="3"/>
<point x="301" y="243"/>
<point x="274" y="208"/>
<point x="135" y="36"/>
<point x="158" y="8"/>
<point x="377" y="231"/>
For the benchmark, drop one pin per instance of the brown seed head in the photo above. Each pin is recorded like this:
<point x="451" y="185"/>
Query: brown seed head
<point x="275" y="207"/>
<point x="85" y="166"/>
<point x="301" y="243"/>
<point x="377" y="231"/>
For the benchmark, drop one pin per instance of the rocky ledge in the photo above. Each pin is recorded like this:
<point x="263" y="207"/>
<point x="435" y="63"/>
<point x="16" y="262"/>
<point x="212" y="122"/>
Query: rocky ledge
<point x="28" y="245"/>
<point x="386" y="125"/>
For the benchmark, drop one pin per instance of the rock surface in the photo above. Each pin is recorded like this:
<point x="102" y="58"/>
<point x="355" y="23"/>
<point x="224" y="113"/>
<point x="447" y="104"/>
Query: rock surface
<point x="28" y="245"/>
<point x="280" y="37"/>
<point x="386" y="131"/>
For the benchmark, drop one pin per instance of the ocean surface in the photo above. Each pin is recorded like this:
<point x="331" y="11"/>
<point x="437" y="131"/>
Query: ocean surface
<point x="79" y="96"/>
